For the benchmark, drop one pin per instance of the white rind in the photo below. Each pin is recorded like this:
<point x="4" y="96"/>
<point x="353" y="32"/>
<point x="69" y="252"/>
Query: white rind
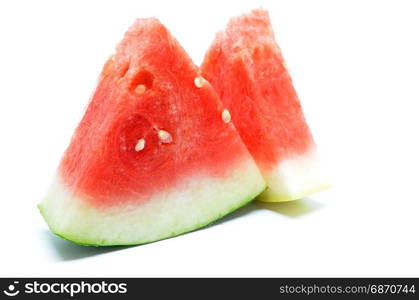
<point x="295" y="178"/>
<point x="190" y="205"/>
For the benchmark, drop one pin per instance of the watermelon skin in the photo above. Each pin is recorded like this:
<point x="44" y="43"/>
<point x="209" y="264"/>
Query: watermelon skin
<point x="152" y="157"/>
<point x="186" y="207"/>
<point x="245" y="66"/>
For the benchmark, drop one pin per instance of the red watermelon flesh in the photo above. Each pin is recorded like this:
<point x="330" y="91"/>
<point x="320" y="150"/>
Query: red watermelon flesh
<point x="246" y="68"/>
<point x="152" y="156"/>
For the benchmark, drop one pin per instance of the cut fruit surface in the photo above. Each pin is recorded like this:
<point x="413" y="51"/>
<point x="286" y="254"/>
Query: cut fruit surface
<point x="152" y="157"/>
<point x="246" y="68"/>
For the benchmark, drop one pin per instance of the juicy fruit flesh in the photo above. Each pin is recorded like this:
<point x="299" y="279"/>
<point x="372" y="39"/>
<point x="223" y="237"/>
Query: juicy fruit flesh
<point x="264" y="105"/>
<point x="139" y="97"/>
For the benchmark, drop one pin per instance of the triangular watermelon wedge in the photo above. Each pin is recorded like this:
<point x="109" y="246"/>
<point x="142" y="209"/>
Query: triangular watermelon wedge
<point x="152" y="157"/>
<point x="246" y="68"/>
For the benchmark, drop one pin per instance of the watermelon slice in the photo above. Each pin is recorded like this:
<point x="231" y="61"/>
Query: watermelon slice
<point x="246" y="68"/>
<point x="152" y="157"/>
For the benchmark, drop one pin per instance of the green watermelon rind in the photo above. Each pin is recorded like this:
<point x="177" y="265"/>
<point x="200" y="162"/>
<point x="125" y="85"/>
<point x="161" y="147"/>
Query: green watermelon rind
<point x="198" y="227"/>
<point x="191" y="204"/>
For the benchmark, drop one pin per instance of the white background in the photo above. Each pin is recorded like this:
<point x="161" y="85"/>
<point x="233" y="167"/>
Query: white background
<point x="355" y="65"/>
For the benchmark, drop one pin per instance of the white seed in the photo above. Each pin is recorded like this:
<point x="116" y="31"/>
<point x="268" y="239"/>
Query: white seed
<point x="226" y="116"/>
<point x="164" y="136"/>
<point x="199" y="82"/>
<point x="140" y="145"/>
<point x="140" y="89"/>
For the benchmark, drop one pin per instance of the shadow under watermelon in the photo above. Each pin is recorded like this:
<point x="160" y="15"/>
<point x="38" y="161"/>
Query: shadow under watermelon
<point x="292" y="209"/>
<point x="67" y="251"/>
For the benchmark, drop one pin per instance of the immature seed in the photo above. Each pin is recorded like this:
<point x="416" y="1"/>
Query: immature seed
<point x="199" y="82"/>
<point x="140" y="89"/>
<point x="140" y="145"/>
<point x="226" y="116"/>
<point x="164" y="136"/>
